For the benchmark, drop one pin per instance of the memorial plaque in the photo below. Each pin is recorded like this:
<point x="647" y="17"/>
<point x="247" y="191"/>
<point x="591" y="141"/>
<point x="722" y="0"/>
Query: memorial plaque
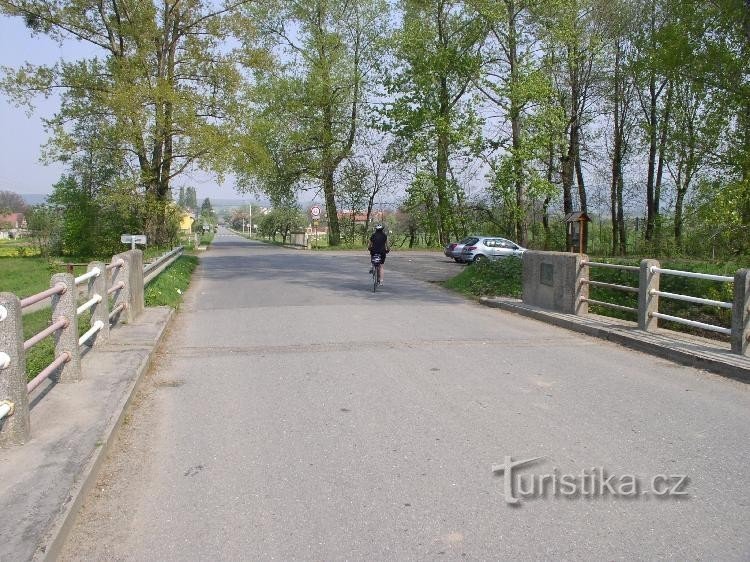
<point x="546" y="274"/>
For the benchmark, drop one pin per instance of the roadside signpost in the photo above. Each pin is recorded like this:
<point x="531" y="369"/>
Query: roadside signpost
<point x="133" y="239"/>
<point x="315" y="212"/>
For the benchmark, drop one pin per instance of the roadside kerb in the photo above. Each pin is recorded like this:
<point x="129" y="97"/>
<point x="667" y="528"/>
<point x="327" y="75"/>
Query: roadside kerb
<point x="686" y="350"/>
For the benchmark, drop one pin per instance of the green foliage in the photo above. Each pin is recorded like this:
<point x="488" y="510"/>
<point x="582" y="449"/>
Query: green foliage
<point x="44" y="223"/>
<point x="11" y="202"/>
<point x="159" y="94"/>
<point x="281" y="221"/>
<point x="309" y="108"/>
<point x="170" y="286"/>
<point x="490" y="278"/>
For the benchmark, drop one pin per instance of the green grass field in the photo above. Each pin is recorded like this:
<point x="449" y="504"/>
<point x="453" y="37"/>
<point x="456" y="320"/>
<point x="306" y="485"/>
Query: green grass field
<point x="26" y="276"/>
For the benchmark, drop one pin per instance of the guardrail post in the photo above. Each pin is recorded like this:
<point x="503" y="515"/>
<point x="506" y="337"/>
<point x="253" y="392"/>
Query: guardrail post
<point x="66" y="340"/>
<point x="741" y="313"/>
<point x="581" y="285"/>
<point x="15" y="428"/>
<point x="100" y="311"/>
<point x="648" y="302"/>
<point x="137" y="299"/>
<point x="131" y="273"/>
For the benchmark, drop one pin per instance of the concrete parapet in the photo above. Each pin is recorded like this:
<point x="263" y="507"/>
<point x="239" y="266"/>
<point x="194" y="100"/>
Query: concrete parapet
<point x="553" y="281"/>
<point x="648" y="302"/>
<point x="66" y="339"/>
<point x="131" y="274"/>
<point x="100" y="311"/>
<point x="15" y="428"/>
<point x="741" y="313"/>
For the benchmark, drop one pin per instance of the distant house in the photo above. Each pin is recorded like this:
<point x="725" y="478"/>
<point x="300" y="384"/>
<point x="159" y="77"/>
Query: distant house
<point x="13" y="221"/>
<point x="359" y="218"/>
<point x="11" y="225"/>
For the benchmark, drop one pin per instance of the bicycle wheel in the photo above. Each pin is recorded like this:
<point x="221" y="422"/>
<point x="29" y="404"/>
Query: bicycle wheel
<point x="375" y="269"/>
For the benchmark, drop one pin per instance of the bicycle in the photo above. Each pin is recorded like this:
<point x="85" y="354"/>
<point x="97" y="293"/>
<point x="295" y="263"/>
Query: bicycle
<point x="376" y="265"/>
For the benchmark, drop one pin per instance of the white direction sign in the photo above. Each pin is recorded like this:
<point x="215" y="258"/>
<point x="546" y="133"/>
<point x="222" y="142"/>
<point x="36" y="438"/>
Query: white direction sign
<point x="133" y="239"/>
<point x="315" y="212"/>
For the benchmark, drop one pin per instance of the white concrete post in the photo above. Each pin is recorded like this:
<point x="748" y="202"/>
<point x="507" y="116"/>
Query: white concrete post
<point x="100" y="311"/>
<point x="15" y="428"/>
<point x="648" y="302"/>
<point x="66" y="340"/>
<point x="741" y="313"/>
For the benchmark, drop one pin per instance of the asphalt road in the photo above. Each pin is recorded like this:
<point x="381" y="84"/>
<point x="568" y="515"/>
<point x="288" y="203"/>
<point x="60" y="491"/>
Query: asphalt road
<point x="295" y="415"/>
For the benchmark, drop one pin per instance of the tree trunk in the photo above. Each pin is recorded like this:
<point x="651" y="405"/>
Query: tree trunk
<point x="652" y="147"/>
<point x="618" y="222"/>
<point x="334" y="231"/>
<point x="582" y="195"/>
<point x="521" y="220"/>
<point x="441" y="179"/>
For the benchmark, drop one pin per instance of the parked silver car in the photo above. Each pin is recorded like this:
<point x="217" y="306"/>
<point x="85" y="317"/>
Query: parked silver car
<point x="490" y="247"/>
<point x="454" y="250"/>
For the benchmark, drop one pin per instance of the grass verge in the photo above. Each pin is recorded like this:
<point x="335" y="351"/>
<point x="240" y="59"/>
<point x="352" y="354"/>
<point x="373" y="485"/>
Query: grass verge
<point x="167" y="289"/>
<point x="489" y="278"/>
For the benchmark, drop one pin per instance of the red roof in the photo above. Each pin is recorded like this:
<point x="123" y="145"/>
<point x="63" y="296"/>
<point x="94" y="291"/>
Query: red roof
<point x="15" y="219"/>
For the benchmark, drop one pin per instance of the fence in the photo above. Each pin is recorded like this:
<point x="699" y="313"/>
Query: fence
<point x="649" y="294"/>
<point x="560" y="281"/>
<point x="113" y="292"/>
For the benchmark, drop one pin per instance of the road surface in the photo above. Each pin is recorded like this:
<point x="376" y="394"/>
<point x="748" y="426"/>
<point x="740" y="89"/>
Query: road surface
<point x="294" y="415"/>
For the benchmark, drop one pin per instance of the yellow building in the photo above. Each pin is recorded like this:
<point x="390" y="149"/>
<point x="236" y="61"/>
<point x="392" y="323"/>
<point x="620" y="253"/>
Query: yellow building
<point x="186" y="222"/>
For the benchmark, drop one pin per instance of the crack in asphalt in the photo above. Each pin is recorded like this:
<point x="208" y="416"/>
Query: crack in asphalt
<point x="203" y="351"/>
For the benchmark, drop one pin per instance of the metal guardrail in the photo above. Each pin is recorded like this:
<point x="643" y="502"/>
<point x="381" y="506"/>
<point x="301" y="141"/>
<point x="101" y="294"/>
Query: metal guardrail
<point x="649" y="294"/>
<point x="612" y="286"/>
<point x="611" y="265"/>
<point x="692" y="274"/>
<point x="112" y="290"/>
<point x="153" y="269"/>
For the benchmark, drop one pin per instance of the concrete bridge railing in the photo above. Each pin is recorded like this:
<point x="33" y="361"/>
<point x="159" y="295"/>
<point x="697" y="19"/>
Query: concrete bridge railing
<point x="113" y="292"/>
<point x="560" y="281"/>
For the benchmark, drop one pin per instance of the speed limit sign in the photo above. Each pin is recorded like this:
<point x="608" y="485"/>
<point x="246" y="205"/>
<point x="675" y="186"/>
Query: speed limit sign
<point x="315" y="211"/>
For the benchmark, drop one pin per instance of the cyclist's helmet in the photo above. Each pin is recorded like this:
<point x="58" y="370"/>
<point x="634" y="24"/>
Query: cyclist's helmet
<point x="379" y="227"/>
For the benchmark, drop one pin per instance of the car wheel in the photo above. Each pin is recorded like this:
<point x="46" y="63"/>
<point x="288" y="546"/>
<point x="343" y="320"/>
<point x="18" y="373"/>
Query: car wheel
<point x="478" y="258"/>
<point x="457" y="260"/>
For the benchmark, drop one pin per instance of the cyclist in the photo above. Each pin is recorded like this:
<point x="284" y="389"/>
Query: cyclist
<point x="379" y="245"/>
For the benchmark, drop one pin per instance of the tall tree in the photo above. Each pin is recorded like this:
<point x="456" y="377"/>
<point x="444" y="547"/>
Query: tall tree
<point x="311" y="105"/>
<point x="437" y="51"/>
<point x="655" y="92"/>
<point x="574" y="44"/>
<point x="516" y="84"/>
<point x="163" y="79"/>
<point x="11" y="202"/>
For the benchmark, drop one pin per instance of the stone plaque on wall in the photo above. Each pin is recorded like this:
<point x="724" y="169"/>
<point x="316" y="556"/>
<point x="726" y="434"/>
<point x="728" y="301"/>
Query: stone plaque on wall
<point x="546" y="274"/>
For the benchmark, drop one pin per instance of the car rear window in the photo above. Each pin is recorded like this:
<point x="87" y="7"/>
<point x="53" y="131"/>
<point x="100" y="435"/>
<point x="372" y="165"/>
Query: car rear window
<point x="469" y="241"/>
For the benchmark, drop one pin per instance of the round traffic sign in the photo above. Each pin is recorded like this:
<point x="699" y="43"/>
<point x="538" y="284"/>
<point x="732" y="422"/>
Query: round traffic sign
<point x="315" y="211"/>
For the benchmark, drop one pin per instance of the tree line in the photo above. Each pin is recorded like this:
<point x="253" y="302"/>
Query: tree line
<point x="494" y="115"/>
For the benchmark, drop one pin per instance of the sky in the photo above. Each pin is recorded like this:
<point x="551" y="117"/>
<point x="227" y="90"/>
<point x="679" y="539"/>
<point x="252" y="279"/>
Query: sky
<point x="22" y="136"/>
